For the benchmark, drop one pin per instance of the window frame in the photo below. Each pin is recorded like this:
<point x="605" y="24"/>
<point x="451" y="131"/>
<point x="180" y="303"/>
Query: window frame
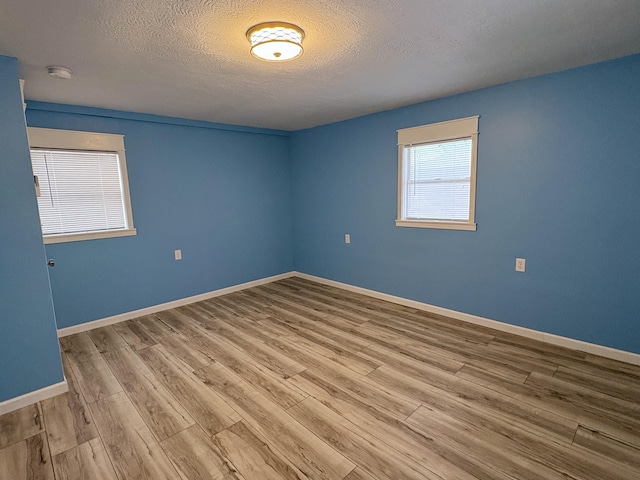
<point x="433" y="133"/>
<point x="54" y="139"/>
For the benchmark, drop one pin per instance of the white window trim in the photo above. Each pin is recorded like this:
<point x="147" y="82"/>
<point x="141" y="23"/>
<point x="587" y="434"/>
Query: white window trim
<point x="438" y="132"/>
<point x="50" y="138"/>
<point x="437" y="224"/>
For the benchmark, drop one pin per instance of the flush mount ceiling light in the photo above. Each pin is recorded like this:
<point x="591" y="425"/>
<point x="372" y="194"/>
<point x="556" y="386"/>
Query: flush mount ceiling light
<point x="59" y="72"/>
<point x="275" y="41"/>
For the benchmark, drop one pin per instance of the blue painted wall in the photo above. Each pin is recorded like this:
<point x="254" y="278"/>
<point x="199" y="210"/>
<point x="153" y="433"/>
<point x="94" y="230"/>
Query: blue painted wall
<point x="558" y="184"/>
<point x="29" y="355"/>
<point x="558" y="176"/>
<point x="220" y="193"/>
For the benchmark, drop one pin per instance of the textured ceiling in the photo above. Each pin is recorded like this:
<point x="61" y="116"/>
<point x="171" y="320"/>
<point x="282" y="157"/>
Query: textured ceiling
<point x="190" y="58"/>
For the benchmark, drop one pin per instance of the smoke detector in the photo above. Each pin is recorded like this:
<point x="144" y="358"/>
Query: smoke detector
<point x="59" y="72"/>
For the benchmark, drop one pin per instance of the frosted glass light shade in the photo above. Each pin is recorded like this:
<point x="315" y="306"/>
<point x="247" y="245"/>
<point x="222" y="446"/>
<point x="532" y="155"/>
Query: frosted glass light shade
<point x="275" y="41"/>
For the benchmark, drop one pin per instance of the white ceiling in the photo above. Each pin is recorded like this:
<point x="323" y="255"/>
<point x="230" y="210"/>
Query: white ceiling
<point x="190" y="58"/>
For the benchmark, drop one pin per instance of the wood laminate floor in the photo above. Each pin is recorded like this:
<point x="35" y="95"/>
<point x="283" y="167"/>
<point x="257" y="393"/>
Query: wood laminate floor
<point x="297" y="380"/>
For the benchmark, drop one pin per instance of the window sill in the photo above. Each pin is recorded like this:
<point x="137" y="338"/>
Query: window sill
<point x="77" y="237"/>
<point x="440" y="225"/>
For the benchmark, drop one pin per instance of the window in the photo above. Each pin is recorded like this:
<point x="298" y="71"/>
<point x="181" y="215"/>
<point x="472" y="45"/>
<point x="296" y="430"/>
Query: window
<point x="437" y="175"/>
<point x="81" y="185"/>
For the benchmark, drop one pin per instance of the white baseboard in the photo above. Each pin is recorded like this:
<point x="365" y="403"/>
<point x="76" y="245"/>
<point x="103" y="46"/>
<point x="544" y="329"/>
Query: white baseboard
<point x="574" y="344"/>
<point x="33" y="397"/>
<point x="103" y="322"/>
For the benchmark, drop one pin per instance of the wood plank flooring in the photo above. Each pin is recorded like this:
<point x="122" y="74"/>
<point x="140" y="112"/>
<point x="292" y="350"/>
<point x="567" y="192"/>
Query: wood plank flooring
<point x="297" y="380"/>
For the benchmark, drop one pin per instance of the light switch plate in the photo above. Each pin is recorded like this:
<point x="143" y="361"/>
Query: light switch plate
<point x="521" y="264"/>
<point x="177" y="254"/>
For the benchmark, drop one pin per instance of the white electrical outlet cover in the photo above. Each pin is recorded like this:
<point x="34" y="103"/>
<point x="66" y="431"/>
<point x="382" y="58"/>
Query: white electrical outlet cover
<point x="521" y="264"/>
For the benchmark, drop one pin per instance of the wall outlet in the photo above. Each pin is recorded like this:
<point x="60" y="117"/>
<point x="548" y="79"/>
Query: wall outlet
<point x="347" y="238"/>
<point x="521" y="264"/>
<point x="177" y="254"/>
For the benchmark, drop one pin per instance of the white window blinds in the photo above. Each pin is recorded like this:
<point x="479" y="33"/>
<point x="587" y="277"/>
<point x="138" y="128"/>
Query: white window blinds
<point x="437" y="175"/>
<point x="437" y="181"/>
<point x="80" y="191"/>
